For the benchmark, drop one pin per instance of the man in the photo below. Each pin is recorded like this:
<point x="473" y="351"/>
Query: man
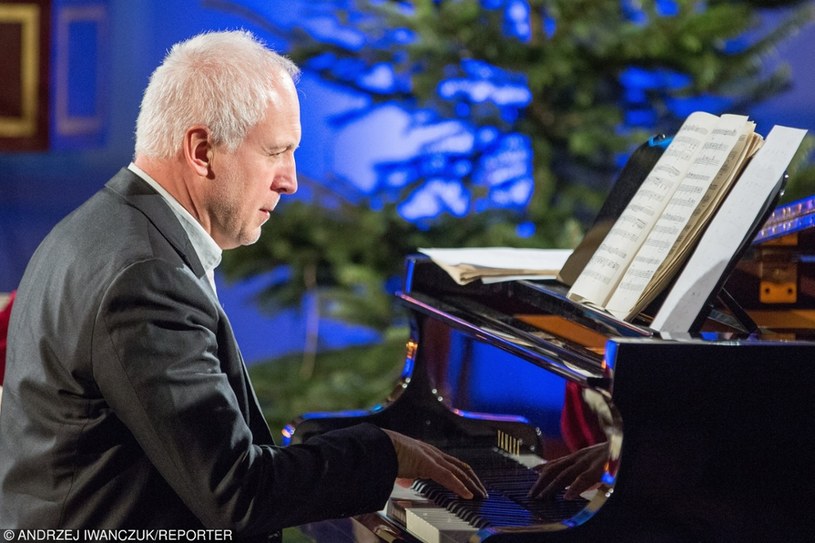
<point x="127" y="403"/>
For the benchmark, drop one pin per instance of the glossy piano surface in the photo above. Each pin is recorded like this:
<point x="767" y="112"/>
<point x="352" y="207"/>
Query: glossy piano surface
<point x="710" y="436"/>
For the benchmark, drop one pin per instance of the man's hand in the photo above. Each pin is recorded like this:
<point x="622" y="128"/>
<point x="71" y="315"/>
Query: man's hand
<point x="418" y="460"/>
<point x="580" y="471"/>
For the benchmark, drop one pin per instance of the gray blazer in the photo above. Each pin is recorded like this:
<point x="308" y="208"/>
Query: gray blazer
<point x="127" y="403"/>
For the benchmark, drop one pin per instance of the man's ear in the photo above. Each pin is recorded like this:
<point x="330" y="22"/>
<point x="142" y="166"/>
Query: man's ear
<point x="198" y="150"/>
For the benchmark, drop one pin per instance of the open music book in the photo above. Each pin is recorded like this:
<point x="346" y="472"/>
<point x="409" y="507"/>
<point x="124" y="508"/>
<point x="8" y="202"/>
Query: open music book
<point x="494" y="264"/>
<point x="662" y="223"/>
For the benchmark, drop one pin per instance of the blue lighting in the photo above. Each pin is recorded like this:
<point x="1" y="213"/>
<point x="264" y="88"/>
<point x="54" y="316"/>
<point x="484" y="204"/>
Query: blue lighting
<point x="516" y="20"/>
<point x="510" y="158"/>
<point x="327" y="30"/>
<point x="632" y="10"/>
<point x="667" y="8"/>
<point x="379" y="78"/>
<point x="322" y="62"/>
<point x="435" y="197"/>
<point x="611" y="354"/>
<point x="549" y="25"/>
<point x="641" y="117"/>
<point x="641" y="78"/>
<point x="487" y="135"/>
<point x="682" y="107"/>
<point x="663" y="142"/>
<point x="492" y="4"/>
<point x="480" y="90"/>
<point x="525" y="229"/>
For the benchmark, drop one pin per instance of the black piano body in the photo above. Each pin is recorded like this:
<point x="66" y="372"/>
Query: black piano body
<point x="710" y="435"/>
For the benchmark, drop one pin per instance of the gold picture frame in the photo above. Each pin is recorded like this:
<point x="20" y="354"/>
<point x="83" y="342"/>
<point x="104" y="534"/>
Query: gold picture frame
<point x="28" y="17"/>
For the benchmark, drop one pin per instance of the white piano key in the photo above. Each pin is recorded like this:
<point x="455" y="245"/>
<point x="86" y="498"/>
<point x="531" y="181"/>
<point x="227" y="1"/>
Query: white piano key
<point x="530" y="460"/>
<point x="437" y="525"/>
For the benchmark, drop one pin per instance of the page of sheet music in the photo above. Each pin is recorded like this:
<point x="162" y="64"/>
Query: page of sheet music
<point x="660" y="241"/>
<point x="711" y="201"/>
<point x="727" y="231"/>
<point x="605" y="268"/>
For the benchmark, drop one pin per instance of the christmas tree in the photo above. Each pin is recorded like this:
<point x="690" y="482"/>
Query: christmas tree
<point x="550" y="97"/>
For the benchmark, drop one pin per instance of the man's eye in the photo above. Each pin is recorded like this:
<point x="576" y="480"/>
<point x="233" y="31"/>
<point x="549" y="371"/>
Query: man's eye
<point x="280" y="152"/>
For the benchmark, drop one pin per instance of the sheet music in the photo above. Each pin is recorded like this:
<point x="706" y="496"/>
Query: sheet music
<point x="707" y="172"/>
<point x="493" y="264"/>
<point x="606" y="267"/>
<point x="707" y="207"/>
<point x="727" y="231"/>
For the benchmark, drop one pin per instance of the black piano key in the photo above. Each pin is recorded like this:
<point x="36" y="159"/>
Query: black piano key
<point x="507" y="482"/>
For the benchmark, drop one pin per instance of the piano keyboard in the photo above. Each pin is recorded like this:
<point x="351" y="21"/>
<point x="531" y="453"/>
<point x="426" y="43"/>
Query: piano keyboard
<point x="433" y="514"/>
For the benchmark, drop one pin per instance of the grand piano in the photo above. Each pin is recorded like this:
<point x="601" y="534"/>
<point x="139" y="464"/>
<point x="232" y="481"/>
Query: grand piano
<point x="709" y="435"/>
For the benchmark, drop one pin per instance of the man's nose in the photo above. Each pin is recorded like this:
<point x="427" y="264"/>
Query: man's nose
<point x="286" y="182"/>
<point x="292" y="183"/>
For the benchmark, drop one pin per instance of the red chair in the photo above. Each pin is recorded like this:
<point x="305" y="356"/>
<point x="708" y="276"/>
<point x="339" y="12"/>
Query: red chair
<point x="578" y="423"/>
<point x="5" y="313"/>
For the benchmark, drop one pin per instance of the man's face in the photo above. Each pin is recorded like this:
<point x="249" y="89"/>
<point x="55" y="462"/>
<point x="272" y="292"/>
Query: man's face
<point x="248" y="182"/>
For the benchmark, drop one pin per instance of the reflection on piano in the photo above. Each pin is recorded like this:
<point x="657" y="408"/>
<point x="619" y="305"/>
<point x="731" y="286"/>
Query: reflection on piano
<point x="710" y="436"/>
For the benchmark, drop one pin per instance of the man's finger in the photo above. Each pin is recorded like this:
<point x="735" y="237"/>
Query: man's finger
<point x="581" y="484"/>
<point x="547" y="488"/>
<point x="579" y="471"/>
<point x="422" y="460"/>
<point x="546" y="475"/>
<point x="465" y="473"/>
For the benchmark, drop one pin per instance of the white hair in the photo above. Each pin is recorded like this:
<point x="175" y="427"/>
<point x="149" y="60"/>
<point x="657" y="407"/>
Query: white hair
<point x="222" y="80"/>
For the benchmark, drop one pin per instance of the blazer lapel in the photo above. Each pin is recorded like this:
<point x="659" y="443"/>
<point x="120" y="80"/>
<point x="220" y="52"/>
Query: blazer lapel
<point x="140" y="195"/>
